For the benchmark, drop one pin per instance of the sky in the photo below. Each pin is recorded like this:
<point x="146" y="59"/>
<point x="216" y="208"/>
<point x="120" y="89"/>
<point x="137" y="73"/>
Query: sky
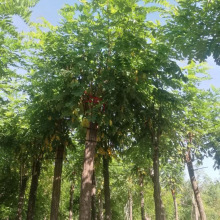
<point x="49" y="9"/>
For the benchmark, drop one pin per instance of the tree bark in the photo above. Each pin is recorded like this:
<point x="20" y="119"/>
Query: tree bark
<point x="88" y="167"/>
<point x="71" y="201"/>
<point x="142" y="197"/>
<point x="108" y="214"/>
<point x="195" y="185"/>
<point x="33" y="190"/>
<point x="57" y="183"/>
<point x="23" y="185"/>
<point x="175" y="204"/>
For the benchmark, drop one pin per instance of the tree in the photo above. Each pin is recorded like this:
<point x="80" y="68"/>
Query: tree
<point x="109" y="68"/>
<point x="103" y="50"/>
<point x="11" y="57"/>
<point x="198" y="116"/>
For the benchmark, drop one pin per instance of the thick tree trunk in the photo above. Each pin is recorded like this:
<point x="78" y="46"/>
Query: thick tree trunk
<point x="23" y="185"/>
<point x="194" y="185"/>
<point x="108" y="215"/>
<point x="175" y="204"/>
<point x="142" y="197"/>
<point x="88" y="167"/>
<point x="71" y="201"/>
<point x="57" y="183"/>
<point x="33" y="189"/>
<point x="94" y="216"/>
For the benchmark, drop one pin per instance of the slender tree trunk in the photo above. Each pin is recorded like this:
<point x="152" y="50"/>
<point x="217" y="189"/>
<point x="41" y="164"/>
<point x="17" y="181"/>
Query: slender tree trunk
<point x="33" y="189"/>
<point x="175" y="204"/>
<point x="108" y="215"/>
<point x="88" y="167"/>
<point x="130" y="202"/>
<point x="71" y="201"/>
<point x="142" y="196"/>
<point x="195" y="185"/>
<point x="57" y="183"/>
<point x="94" y="216"/>
<point x="23" y="185"/>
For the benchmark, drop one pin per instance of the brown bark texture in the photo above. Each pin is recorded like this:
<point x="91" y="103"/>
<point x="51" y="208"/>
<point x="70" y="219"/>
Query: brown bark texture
<point x="175" y="204"/>
<point x="108" y="214"/>
<point x="71" y="201"/>
<point x="88" y="168"/>
<point x="195" y="185"/>
<point x="57" y="183"/>
<point x="33" y="190"/>
<point x="23" y="185"/>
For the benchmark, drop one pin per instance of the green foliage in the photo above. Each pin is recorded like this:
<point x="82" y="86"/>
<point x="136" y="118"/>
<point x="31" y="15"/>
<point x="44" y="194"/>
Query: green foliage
<point x="8" y="185"/>
<point x="194" y="29"/>
<point x="107" y="64"/>
<point x="210" y="194"/>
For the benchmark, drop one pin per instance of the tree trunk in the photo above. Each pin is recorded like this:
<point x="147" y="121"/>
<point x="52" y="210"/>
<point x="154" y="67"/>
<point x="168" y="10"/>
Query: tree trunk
<point x="108" y="215"/>
<point x="71" y="201"/>
<point x="142" y="196"/>
<point x="23" y="185"/>
<point x="88" y="167"/>
<point x="94" y="217"/>
<point x="175" y="204"/>
<point x="194" y="185"/>
<point x="33" y="189"/>
<point x="57" y="183"/>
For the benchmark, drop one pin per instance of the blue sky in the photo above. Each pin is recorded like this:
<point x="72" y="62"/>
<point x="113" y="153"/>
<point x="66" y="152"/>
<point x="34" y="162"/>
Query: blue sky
<point x="49" y="9"/>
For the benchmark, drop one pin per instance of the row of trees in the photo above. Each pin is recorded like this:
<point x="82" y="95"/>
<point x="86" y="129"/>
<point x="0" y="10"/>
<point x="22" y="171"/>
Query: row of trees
<point x="108" y="77"/>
